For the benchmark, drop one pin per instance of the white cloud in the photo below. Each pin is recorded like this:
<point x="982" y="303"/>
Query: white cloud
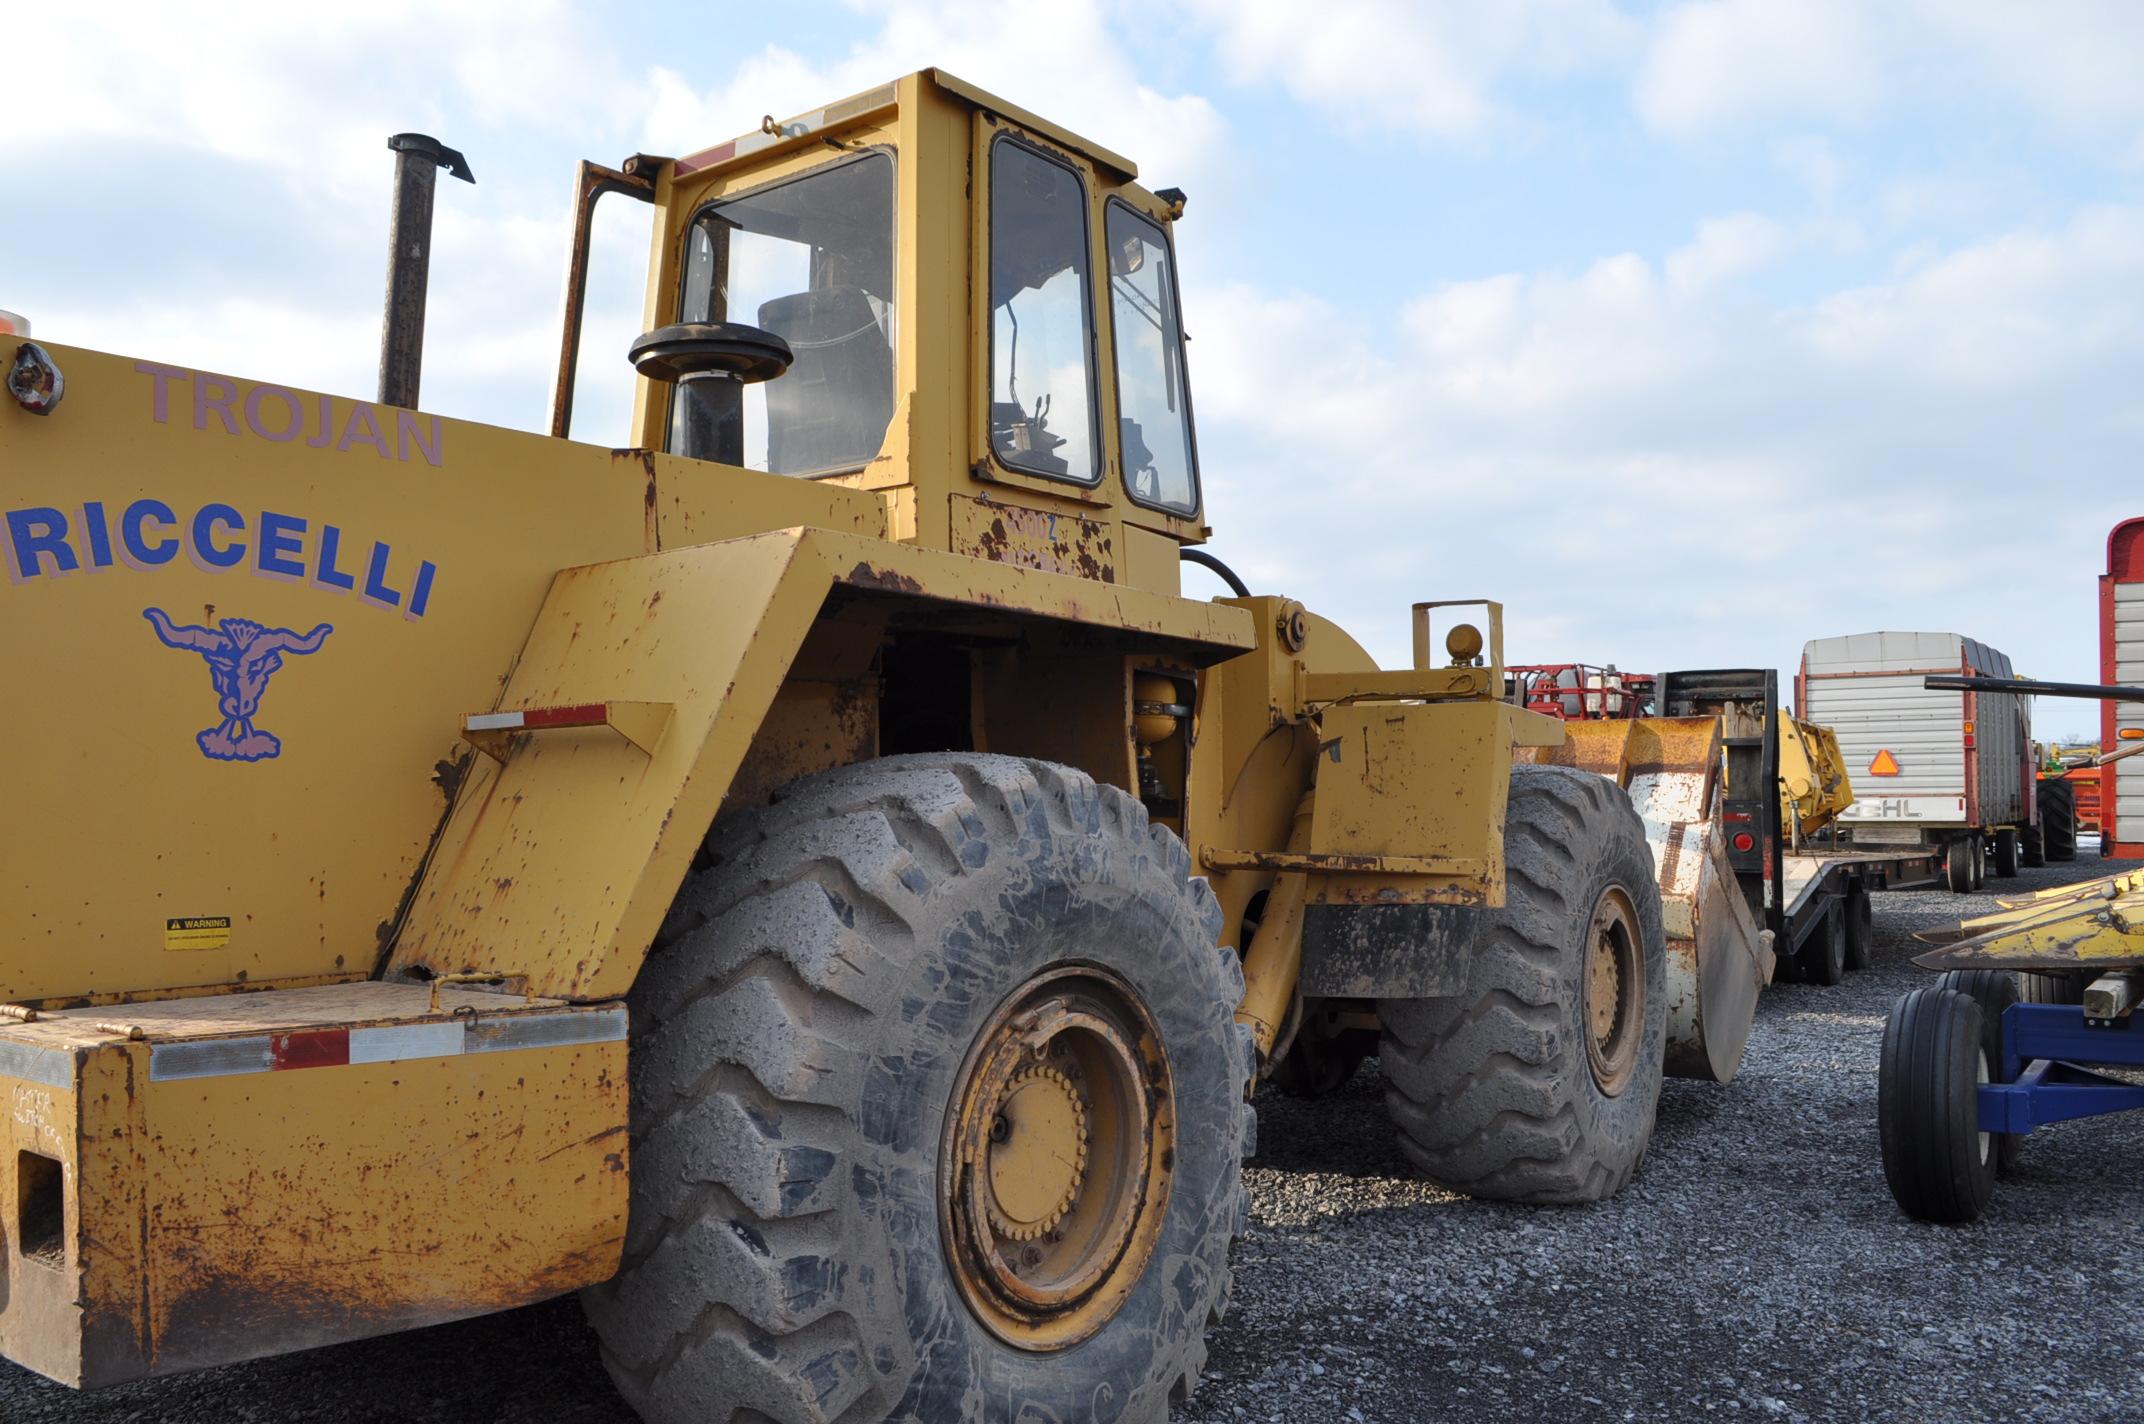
<point x="1739" y="60"/>
<point x="1431" y="69"/>
<point x="1713" y="66"/>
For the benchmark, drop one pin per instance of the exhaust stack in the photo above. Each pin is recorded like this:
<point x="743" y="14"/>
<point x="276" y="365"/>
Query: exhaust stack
<point x="418" y="159"/>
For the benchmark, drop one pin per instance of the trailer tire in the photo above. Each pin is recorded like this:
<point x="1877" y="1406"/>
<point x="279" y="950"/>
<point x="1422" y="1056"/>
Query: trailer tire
<point x="1936" y="1161"/>
<point x="1860" y="927"/>
<point x="1980" y="860"/>
<point x="1538" y="1082"/>
<point x="2032" y="847"/>
<point x="1823" y="954"/>
<point x="845" y="992"/>
<point x="2006" y="858"/>
<point x="2058" y="819"/>
<point x="1958" y="865"/>
<point x="1994" y="990"/>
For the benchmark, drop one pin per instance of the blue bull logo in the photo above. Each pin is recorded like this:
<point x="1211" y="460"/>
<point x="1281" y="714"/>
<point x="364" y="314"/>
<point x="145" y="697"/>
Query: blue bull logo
<point x="241" y="656"/>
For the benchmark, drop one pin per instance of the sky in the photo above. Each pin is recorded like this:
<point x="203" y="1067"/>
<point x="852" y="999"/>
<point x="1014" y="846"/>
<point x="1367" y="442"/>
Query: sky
<point x="1691" y="331"/>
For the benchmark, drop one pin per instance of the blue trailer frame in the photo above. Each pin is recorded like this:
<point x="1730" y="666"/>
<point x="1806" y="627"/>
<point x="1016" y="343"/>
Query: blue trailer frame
<point x="2043" y="1044"/>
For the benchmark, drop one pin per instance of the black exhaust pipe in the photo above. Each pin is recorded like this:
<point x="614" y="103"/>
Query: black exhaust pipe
<point x="418" y="159"/>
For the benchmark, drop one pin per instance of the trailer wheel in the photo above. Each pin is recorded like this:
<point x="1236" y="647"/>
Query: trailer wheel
<point x="2032" y="847"/>
<point x="1980" y="860"/>
<point x="1860" y="927"/>
<point x="937" y="1098"/>
<point x="2006" y="853"/>
<point x="1994" y="990"/>
<point x="1538" y="1082"/>
<point x="1958" y="865"/>
<point x="2037" y="988"/>
<point x="1937" y="1162"/>
<point x="2058" y="819"/>
<point x="1823" y="954"/>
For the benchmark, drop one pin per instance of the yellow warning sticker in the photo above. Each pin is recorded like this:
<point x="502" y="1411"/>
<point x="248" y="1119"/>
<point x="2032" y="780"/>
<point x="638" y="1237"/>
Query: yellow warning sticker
<point x="197" y="932"/>
<point x="1883" y="764"/>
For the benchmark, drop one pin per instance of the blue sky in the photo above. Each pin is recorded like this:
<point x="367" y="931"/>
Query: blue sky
<point x="1690" y="330"/>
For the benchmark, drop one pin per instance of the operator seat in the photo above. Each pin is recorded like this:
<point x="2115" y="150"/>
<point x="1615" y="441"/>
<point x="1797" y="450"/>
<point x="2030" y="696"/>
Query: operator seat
<point x="832" y="408"/>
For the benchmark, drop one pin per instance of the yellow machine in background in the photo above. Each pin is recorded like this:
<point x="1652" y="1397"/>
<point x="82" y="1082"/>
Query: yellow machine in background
<point x="1813" y="783"/>
<point x="792" y="877"/>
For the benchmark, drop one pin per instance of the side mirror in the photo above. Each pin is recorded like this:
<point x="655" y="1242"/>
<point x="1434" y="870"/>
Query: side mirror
<point x="711" y="363"/>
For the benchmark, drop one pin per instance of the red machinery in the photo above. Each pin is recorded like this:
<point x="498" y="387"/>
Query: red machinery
<point x="1582" y="692"/>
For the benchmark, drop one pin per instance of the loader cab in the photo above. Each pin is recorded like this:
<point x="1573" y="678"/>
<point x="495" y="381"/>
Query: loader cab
<point x="926" y="292"/>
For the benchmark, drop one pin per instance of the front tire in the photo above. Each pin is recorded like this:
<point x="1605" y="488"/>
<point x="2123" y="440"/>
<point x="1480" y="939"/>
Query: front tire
<point x="1937" y="1162"/>
<point x="1539" y="1081"/>
<point x="1824" y="956"/>
<point x="831" y="1064"/>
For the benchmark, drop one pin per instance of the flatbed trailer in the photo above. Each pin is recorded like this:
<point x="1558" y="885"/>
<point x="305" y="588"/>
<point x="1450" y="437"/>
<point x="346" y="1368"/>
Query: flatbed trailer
<point x="1813" y="895"/>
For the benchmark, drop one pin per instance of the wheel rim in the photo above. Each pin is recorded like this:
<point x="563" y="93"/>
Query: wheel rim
<point x="1980" y="1080"/>
<point x="1615" y="991"/>
<point x="1057" y="1156"/>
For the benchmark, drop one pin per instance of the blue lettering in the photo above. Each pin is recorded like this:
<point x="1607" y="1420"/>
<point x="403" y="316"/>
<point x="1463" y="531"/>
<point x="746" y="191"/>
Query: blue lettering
<point x="205" y="551"/>
<point x="138" y="550"/>
<point x="280" y="551"/>
<point x="98" y="533"/>
<point x="420" y="595"/>
<point x="37" y="532"/>
<point x="376" y="587"/>
<point x="325" y="573"/>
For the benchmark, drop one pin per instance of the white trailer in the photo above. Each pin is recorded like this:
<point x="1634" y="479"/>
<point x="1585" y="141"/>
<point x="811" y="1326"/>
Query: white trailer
<point x="1944" y="771"/>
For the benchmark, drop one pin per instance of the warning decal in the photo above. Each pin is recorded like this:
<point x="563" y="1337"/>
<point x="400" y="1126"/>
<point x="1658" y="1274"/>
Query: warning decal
<point x="1883" y="764"/>
<point x="197" y="932"/>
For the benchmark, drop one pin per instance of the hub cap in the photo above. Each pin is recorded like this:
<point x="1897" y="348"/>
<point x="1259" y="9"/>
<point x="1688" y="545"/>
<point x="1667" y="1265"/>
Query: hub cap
<point x="1615" y="991"/>
<point x="1055" y="1167"/>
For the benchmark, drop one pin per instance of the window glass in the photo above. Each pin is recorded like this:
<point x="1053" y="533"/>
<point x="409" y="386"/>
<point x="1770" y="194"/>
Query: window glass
<point x="1153" y="399"/>
<point x="810" y="260"/>
<point x="1041" y="341"/>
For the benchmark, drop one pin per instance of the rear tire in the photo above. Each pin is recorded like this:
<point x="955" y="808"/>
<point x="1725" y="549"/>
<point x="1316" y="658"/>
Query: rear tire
<point x="1860" y="928"/>
<point x="2006" y="857"/>
<point x="805" y="1040"/>
<point x="2058" y="819"/>
<point x="2032" y="847"/>
<point x="1528" y="1085"/>
<point x="1980" y="861"/>
<point x="2037" y="988"/>
<point x="1823" y="957"/>
<point x="1958" y="865"/>
<point x="1937" y="1162"/>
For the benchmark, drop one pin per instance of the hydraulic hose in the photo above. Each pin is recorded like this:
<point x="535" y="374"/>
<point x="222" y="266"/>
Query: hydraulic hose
<point x="1207" y="561"/>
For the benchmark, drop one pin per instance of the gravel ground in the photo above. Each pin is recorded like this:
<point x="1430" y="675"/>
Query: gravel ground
<point x="1756" y="1268"/>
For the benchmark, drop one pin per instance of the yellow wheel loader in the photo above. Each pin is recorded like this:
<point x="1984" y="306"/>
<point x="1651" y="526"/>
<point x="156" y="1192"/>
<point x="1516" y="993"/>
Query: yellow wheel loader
<point x="810" y="879"/>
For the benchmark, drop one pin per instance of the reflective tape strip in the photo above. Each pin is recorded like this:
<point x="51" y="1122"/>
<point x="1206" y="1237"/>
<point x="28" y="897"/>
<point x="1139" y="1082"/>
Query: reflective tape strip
<point x="398" y="1043"/>
<point x="580" y="714"/>
<point x="53" y="1067"/>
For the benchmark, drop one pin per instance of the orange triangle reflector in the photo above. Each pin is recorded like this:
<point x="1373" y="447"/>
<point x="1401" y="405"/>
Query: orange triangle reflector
<point x="1883" y="764"/>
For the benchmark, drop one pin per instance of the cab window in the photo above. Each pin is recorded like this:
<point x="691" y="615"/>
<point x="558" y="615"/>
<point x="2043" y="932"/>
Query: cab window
<point x="1042" y="382"/>
<point x="811" y="260"/>
<point x="1153" y="398"/>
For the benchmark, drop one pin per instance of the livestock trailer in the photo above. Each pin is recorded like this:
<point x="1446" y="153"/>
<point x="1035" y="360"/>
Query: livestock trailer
<point x="1947" y="771"/>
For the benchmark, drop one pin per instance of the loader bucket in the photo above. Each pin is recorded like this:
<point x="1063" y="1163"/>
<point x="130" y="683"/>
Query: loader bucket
<point x="1718" y="957"/>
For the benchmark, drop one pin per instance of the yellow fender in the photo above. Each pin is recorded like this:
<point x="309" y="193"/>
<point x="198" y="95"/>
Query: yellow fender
<point x="567" y="842"/>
